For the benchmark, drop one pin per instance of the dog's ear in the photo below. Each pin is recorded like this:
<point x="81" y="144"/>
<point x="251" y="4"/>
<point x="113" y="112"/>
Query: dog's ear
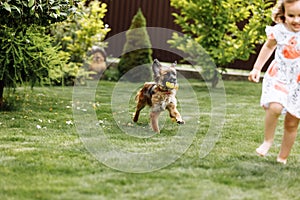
<point x="156" y="70"/>
<point x="174" y="64"/>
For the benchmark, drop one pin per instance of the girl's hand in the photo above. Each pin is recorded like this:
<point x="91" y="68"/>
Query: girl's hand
<point x="254" y="75"/>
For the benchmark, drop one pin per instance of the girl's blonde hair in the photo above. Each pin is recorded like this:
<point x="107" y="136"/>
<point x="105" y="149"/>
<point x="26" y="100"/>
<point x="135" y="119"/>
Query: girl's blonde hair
<point x="278" y="12"/>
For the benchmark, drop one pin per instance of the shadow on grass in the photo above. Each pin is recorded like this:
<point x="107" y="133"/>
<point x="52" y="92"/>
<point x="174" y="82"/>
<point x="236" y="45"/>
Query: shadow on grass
<point x="11" y="104"/>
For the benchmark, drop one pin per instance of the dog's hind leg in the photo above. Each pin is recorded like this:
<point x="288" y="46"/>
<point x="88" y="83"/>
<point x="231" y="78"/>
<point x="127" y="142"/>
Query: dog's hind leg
<point x="139" y="107"/>
<point x="154" y="121"/>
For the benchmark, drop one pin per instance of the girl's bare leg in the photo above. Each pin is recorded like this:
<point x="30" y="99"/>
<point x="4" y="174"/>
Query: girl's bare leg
<point x="272" y="114"/>
<point x="290" y="132"/>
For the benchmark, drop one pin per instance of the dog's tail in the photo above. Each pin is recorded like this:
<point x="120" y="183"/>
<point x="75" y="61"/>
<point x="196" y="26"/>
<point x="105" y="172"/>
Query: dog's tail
<point x="138" y="94"/>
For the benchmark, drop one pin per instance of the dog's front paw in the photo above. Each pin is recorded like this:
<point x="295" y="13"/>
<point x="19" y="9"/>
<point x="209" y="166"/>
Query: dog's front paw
<point x="181" y="122"/>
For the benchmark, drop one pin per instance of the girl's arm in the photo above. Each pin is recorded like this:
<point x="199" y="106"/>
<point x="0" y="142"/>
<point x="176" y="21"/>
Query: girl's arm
<point x="263" y="56"/>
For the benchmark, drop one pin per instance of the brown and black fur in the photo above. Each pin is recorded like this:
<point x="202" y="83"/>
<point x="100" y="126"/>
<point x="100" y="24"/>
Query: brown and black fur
<point x="158" y="95"/>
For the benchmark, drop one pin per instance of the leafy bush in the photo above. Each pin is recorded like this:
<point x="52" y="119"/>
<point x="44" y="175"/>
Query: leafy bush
<point x="27" y="56"/>
<point x="20" y="13"/>
<point x="111" y="74"/>
<point x="26" y="50"/>
<point x="79" y="33"/>
<point x="226" y="29"/>
<point x="137" y="49"/>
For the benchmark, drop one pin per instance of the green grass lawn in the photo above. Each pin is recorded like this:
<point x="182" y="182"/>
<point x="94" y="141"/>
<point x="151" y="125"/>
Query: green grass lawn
<point x="44" y="156"/>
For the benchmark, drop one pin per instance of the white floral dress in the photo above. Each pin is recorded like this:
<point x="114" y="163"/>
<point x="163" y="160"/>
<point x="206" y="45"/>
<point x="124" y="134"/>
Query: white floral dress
<point x="281" y="81"/>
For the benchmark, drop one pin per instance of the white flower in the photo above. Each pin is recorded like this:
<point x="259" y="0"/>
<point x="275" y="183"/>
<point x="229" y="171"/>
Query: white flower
<point x="100" y="122"/>
<point x="38" y="127"/>
<point x="69" y="122"/>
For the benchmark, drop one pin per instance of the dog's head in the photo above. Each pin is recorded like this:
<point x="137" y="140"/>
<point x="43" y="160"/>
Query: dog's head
<point x="165" y="76"/>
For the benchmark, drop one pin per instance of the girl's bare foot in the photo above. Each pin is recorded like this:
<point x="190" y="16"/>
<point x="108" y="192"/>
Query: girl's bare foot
<point x="281" y="160"/>
<point x="263" y="149"/>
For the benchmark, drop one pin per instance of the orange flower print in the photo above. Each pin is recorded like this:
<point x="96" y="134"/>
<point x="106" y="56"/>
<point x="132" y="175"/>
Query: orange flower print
<point x="273" y="70"/>
<point x="298" y="78"/>
<point x="281" y="88"/>
<point x="290" y="51"/>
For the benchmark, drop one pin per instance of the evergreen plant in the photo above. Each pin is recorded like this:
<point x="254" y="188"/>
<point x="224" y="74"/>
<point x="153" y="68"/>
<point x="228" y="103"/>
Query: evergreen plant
<point x="137" y="51"/>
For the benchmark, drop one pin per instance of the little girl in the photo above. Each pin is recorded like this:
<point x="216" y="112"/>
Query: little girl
<point x="282" y="76"/>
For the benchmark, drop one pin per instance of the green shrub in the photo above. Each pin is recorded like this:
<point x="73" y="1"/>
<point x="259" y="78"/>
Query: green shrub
<point x="111" y="74"/>
<point x="26" y="49"/>
<point x="78" y="34"/>
<point x="137" y="49"/>
<point x="226" y="29"/>
<point x="28" y="56"/>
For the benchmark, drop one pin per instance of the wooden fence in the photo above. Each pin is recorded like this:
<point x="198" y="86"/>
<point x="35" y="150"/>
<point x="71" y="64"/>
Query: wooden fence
<point x="158" y="13"/>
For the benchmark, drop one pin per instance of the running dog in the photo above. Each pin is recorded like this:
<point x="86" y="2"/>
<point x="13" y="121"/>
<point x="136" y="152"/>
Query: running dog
<point x="159" y="95"/>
